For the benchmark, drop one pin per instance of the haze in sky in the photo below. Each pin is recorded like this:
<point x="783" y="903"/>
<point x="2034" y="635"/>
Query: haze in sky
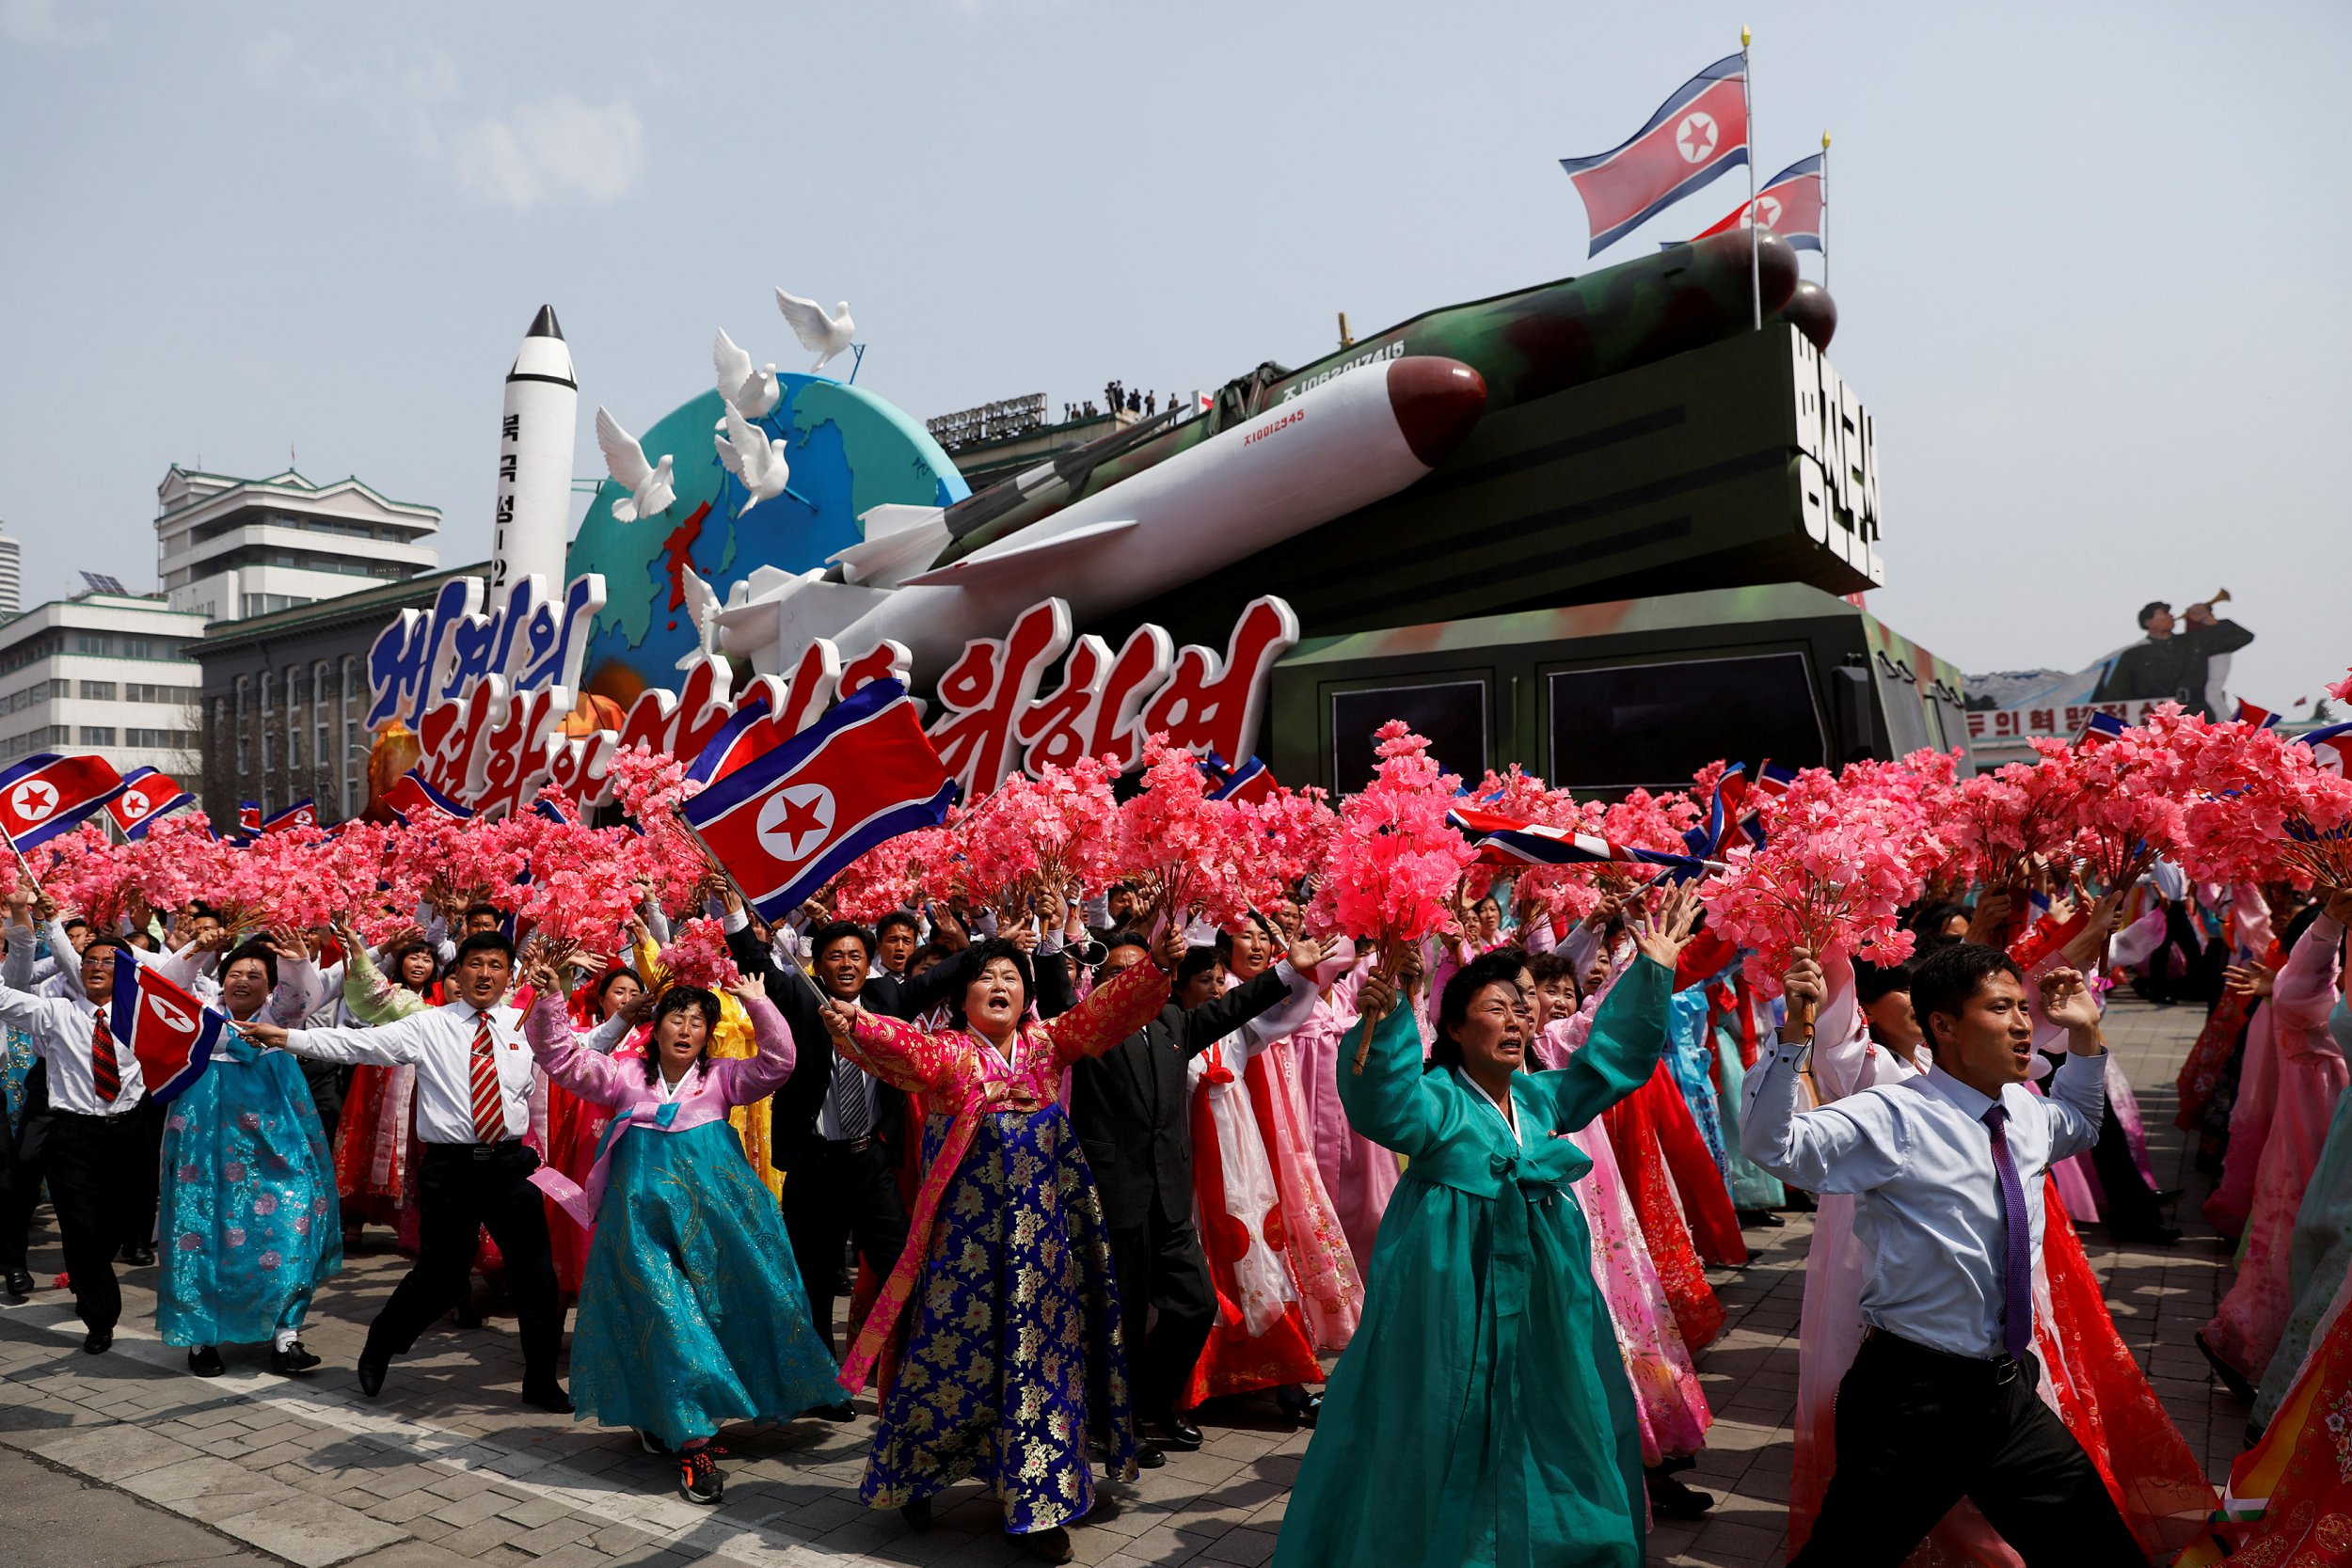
<point x="2089" y="259"/>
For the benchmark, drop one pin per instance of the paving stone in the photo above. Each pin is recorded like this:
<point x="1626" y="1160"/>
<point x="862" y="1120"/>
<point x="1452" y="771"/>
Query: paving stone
<point x="310" y="1531"/>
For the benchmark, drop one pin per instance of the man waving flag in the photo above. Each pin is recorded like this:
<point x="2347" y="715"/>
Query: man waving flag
<point x="1697" y="134"/>
<point x="785" y="821"/>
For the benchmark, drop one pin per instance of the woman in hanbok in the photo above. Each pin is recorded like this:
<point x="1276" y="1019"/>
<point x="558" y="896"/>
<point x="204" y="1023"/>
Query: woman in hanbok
<point x="247" y="1219"/>
<point x="691" y="1313"/>
<point x="1014" y="1353"/>
<point x="1483" y="1416"/>
<point x="2319" y="1253"/>
<point x="576" y="1126"/>
<point x="1359" y="1175"/>
<point x="2310" y="1077"/>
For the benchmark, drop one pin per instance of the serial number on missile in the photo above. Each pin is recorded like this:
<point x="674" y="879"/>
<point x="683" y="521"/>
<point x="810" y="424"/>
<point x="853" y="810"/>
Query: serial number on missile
<point x="1283" y="423"/>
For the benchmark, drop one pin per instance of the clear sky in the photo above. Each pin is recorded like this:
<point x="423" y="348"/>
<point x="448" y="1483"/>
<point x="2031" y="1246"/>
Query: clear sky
<point x="2091" y="259"/>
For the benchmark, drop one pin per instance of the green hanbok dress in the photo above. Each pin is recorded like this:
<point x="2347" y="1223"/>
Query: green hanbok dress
<point x="1481" y="1415"/>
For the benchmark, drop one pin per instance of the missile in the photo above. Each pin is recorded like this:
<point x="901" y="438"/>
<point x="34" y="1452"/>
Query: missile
<point x="1341" y="445"/>
<point x="539" y="425"/>
<point x="1526" y="344"/>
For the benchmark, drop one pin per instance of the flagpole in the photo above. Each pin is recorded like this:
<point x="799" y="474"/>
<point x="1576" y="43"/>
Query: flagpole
<point x="1747" y="99"/>
<point x="23" y="865"/>
<point x="1824" y="209"/>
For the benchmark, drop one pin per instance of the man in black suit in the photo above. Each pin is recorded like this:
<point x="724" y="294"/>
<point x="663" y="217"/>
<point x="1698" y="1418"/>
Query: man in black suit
<point x="1130" y="1106"/>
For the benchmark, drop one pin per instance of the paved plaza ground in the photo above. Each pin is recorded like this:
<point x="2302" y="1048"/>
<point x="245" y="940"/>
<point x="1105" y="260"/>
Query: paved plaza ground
<point x="126" y="1459"/>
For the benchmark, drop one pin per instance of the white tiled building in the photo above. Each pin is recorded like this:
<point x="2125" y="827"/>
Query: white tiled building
<point x="227" y="548"/>
<point x="103" y="672"/>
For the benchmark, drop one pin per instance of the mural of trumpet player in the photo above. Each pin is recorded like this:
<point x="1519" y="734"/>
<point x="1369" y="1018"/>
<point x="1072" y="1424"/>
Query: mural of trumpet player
<point x="2186" y="659"/>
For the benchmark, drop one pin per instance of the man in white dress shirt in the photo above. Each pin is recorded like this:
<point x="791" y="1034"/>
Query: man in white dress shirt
<point x="1948" y="1169"/>
<point x="96" y="1139"/>
<point x="473" y="1105"/>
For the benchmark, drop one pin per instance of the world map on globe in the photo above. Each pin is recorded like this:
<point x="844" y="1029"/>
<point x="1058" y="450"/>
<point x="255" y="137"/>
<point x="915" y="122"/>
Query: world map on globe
<point x="850" y="451"/>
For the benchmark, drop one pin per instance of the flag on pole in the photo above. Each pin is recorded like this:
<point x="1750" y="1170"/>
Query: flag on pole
<point x="413" y="800"/>
<point x="1789" y="204"/>
<point x="302" y="814"/>
<point x="745" y="735"/>
<point x="147" y="795"/>
<point x="46" y="794"/>
<point x="1502" y="840"/>
<point x="2260" y="717"/>
<point x="2101" y="728"/>
<point x="2331" y="747"/>
<point x="1731" y="790"/>
<point x="785" y="823"/>
<point x="248" y="818"/>
<point x="1699" y="133"/>
<point x="171" y="1031"/>
<point x="1772" y="782"/>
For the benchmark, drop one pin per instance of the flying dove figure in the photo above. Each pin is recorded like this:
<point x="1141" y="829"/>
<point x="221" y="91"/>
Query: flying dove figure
<point x="750" y="456"/>
<point x="650" y="491"/>
<point x="751" y="392"/>
<point x="703" y="606"/>
<point x="822" y="334"/>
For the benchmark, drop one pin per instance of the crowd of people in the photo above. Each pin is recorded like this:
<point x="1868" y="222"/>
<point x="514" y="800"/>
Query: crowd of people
<point x="1102" y="1112"/>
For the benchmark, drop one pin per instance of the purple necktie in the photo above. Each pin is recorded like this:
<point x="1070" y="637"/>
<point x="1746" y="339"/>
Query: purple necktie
<point x="2017" y="1293"/>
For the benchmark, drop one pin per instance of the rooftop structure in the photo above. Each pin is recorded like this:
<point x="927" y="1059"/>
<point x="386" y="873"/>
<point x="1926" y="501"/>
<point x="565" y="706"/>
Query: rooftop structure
<point x="227" y="548"/>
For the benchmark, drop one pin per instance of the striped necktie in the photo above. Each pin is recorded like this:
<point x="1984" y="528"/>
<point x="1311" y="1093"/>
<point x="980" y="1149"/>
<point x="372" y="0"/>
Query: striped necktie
<point x="489" y="1098"/>
<point x="105" y="1072"/>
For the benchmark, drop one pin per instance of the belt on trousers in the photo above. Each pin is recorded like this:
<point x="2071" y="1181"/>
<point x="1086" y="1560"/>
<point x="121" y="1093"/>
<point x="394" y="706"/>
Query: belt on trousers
<point x="477" y="1151"/>
<point x="851" y="1146"/>
<point x="1997" y="1369"/>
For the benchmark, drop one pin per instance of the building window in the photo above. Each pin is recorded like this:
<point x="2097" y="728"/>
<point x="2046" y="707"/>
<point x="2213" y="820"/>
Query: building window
<point x="98" y="691"/>
<point x="37" y="741"/>
<point x="147" y="647"/>
<point x="146" y="691"/>
<point x="223" y="728"/>
<point x="269" y="694"/>
<point x="293" y="750"/>
<point x="163" y="740"/>
<point x="244" y="687"/>
<point x="92" y="642"/>
<point x="298" y="685"/>
<point x="96" y="734"/>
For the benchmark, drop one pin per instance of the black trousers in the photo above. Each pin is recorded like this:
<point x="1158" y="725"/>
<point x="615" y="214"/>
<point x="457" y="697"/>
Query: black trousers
<point x="461" y="1189"/>
<point x="1166" y="1305"/>
<point x="1919" y="1430"/>
<point x="94" y="1167"/>
<point x="841" y="1193"/>
<point x="24" y="1165"/>
<point x="145" y="1122"/>
<point x="2129" y="1204"/>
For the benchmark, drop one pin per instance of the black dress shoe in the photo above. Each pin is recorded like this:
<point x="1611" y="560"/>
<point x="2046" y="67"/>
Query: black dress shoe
<point x="2160" y="1235"/>
<point x="1177" y="1433"/>
<point x="840" y="1410"/>
<point x="552" y="1399"/>
<point x="1671" y="1499"/>
<point x="1046" y="1545"/>
<point x="20" y="1285"/>
<point x="2232" y="1379"/>
<point x="98" y="1341"/>
<point x="139" y="1257"/>
<point x="371" y="1373"/>
<point x="917" y="1513"/>
<point x="293" y="1361"/>
<point x="204" y="1361"/>
<point x="1149" y="1455"/>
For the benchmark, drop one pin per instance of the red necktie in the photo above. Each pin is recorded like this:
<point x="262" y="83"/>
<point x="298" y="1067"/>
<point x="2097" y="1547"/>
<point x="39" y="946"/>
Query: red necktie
<point x="106" y="1073"/>
<point x="489" y="1099"/>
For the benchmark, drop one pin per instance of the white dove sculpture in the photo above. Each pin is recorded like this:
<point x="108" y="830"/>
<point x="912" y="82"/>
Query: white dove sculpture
<point x="650" y="491"/>
<point x="822" y="334"/>
<point x="750" y="456"/>
<point x="751" y="392"/>
<point x="703" y="606"/>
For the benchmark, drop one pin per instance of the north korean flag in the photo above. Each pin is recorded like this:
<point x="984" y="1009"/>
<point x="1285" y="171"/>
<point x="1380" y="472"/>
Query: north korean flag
<point x="1253" y="780"/>
<point x="302" y="814"/>
<point x="788" y="821"/>
<point x="46" y="794"/>
<point x="1772" y="782"/>
<point x="1698" y="133"/>
<point x="2101" y="728"/>
<point x="2331" y="746"/>
<point x="412" y="800"/>
<point x="2260" y="717"/>
<point x="147" y="796"/>
<point x="248" y="818"/>
<point x="1731" y="788"/>
<point x="744" y="737"/>
<point x="1789" y="204"/>
<point x="171" y="1033"/>
<point x="1508" y="840"/>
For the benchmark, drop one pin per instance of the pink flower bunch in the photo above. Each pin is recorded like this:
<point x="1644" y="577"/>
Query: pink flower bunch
<point x="1395" y="862"/>
<point x="1073" y="813"/>
<point x="581" y="887"/>
<point x="2267" y="808"/>
<point x="1914" y="798"/>
<point x="1002" y="858"/>
<point x="177" y="861"/>
<point x="1833" y="874"/>
<point x="697" y="956"/>
<point x="1292" y="829"/>
<point x="2128" y="795"/>
<point x="80" y="870"/>
<point x="882" y="880"/>
<point x="2342" y="690"/>
<point x="649" y="786"/>
<point x="1193" y="846"/>
<point x="2004" y="822"/>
